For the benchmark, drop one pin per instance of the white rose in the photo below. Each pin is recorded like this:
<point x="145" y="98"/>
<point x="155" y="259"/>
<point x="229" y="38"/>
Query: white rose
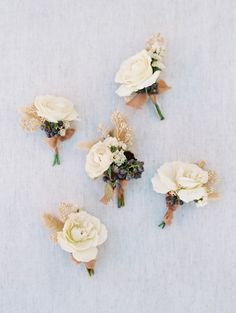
<point x="135" y="74"/>
<point x="187" y="180"/>
<point x="98" y="159"/>
<point x="81" y="235"/>
<point x="55" y="109"/>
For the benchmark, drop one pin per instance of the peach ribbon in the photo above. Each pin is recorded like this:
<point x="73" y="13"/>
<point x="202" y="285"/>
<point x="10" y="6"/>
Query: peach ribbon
<point x="140" y="99"/>
<point x="171" y="208"/>
<point x="108" y="194"/>
<point x="54" y="143"/>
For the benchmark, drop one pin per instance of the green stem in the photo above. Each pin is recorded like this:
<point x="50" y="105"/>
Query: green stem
<point x="90" y="271"/>
<point x="56" y="159"/>
<point x="159" y="113"/>
<point x="121" y="200"/>
<point x="162" y="225"/>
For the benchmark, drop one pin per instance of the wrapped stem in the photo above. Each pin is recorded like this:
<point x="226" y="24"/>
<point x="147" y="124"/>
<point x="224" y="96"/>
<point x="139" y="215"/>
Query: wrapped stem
<point x="172" y="203"/>
<point x="157" y="107"/>
<point x="162" y="225"/>
<point x="53" y="143"/>
<point x="90" y="271"/>
<point x="90" y="267"/>
<point x="121" y="200"/>
<point x="120" y="195"/>
<point x="56" y="159"/>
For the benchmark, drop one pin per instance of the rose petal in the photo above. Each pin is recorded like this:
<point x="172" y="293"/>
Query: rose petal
<point x="125" y="91"/>
<point x="150" y="81"/>
<point x="85" y="256"/>
<point x="102" y="235"/>
<point x="188" y="195"/>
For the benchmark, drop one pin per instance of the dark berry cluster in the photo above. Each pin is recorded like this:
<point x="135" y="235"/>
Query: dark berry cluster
<point x="172" y="200"/>
<point x="151" y="90"/>
<point x="130" y="169"/>
<point x="52" y="129"/>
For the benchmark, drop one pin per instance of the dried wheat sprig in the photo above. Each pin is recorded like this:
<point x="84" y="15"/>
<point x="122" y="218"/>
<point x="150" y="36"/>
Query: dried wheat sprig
<point x="30" y="120"/>
<point x="104" y="131"/>
<point x="121" y="129"/>
<point x="212" y="177"/>
<point x="53" y="224"/>
<point x="65" y="209"/>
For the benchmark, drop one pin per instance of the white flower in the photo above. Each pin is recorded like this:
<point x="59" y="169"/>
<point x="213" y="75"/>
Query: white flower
<point x="186" y="179"/>
<point x="81" y="235"/>
<point x="62" y="132"/>
<point x="119" y="157"/>
<point x="156" y="49"/>
<point x="98" y="159"/>
<point x="135" y="74"/>
<point x="55" y="109"/>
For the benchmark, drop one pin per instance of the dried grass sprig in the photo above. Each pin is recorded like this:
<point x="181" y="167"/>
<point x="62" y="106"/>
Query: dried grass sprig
<point x="65" y="209"/>
<point x="212" y="179"/>
<point x="30" y="121"/>
<point x="53" y="224"/>
<point x="104" y="131"/>
<point x="121" y="129"/>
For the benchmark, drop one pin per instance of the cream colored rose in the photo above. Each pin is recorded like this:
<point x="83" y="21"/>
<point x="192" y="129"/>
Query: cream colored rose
<point x="54" y="109"/>
<point x="81" y="235"/>
<point x="186" y="179"/>
<point x="135" y="74"/>
<point x="98" y="159"/>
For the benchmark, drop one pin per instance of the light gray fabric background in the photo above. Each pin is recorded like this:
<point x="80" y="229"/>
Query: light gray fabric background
<point x="74" y="48"/>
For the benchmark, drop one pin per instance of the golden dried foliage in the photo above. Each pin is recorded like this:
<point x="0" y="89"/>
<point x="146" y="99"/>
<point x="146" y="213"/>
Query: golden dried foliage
<point x="212" y="179"/>
<point x="65" y="209"/>
<point x="30" y="120"/>
<point x="155" y="38"/>
<point x="104" y="131"/>
<point x="201" y="164"/>
<point x="87" y="145"/>
<point x="213" y="195"/>
<point x="121" y="129"/>
<point x="53" y="224"/>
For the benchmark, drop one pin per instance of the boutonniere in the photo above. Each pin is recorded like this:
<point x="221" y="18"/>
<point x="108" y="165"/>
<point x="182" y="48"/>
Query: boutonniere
<point x="110" y="157"/>
<point x="53" y="115"/>
<point x="183" y="183"/>
<point x="78" y="233"/>
<point x="139" y="75"/>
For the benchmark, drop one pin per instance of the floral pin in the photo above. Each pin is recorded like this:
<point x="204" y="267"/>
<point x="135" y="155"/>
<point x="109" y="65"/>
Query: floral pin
<point x="111" y="158"/>
<point x="52" y="115"/>
<point x="183" y="183"/>
<point x="78" y="233"/>
<point x="139" y="75"/>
